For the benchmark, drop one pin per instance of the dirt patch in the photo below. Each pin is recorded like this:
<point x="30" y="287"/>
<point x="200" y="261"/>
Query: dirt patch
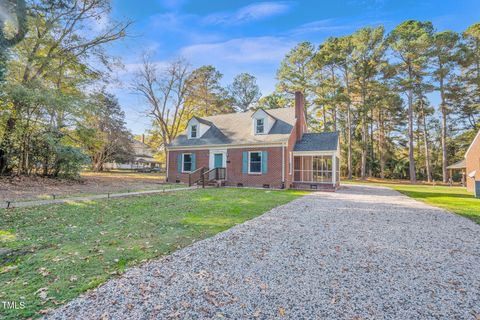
<point x="34" y="188"/>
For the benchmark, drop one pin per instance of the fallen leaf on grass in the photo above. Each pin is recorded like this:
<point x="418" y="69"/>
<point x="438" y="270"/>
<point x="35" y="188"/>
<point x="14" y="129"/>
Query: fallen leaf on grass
<point x="43" y="271"/>
<point x="42" y="293"/>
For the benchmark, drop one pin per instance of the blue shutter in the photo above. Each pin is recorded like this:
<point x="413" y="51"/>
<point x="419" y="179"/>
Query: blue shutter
<point x="264" y="161"/>
<point x="245" y="163"/>
<point x="194" y="162"/>
<point x="179" y="163"/>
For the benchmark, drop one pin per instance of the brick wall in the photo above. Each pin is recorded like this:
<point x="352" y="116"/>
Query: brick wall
<point x="202" y="158"/>
<point x="473" y="163"/>
<point x="273" y="177"/>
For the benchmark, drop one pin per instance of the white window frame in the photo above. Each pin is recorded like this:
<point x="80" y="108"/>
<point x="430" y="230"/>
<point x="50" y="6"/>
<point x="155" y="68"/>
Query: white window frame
<point x="196" y="131"/>
<point x="249" y="160"/>
<point x="263" y="125"/>
<point x="183" y="162"/>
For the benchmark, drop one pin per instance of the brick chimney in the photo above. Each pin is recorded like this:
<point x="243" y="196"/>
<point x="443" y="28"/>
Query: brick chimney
<point x="300" y="124"/>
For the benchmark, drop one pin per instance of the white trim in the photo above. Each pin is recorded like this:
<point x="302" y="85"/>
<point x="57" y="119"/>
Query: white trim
<point x="248" y="162"/>
<point x="183" y="159"/>
<point x="196" y="131"/>
<point x="290" y="169"/>
<point x="314" y="153"/>
<point x="283" y="164"/>
<point x="223" y="146"/>
<point x="473" y="142"/>
<point x="168" y="162"/>
<point x="255" y="126"/>
<point x="334" y="169"/>
<point x="211" y="157"/>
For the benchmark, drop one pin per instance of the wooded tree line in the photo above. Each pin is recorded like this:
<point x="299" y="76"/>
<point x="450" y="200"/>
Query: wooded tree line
<point x="377" y="88"/>
<point x="55" y="115"/>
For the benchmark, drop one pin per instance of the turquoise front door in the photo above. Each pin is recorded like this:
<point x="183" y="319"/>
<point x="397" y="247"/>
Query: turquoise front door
<point x="218" y="160"/>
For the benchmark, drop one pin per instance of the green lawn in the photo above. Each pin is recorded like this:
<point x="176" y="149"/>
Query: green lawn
<point x="454" y="199"/>
<point x="61" y="251"/>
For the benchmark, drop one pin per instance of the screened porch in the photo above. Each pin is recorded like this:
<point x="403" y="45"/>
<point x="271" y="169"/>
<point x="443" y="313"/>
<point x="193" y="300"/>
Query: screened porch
<point x="310" y="170"/>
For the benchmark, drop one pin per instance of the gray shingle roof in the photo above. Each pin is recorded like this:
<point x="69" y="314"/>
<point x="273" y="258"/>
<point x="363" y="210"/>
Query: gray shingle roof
<point x="462" y="164"/>
<point x="236" y="128"/>
<point x="323" y="141"/>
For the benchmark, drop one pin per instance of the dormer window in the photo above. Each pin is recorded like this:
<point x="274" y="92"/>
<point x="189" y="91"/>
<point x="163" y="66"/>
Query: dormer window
<point x="193" y="131"/>
<point x="260" y="126"/>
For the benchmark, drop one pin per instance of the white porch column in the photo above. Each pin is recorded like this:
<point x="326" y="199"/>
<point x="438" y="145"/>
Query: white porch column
<point x="334" y="169"/>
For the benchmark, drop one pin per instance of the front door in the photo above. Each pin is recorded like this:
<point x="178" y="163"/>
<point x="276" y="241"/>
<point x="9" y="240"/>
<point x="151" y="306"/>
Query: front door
<point x="218" y="160"/>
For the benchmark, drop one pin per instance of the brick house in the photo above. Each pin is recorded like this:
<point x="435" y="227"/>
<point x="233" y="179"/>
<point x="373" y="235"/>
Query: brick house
<point x="263" y="148"/>
<point x="472" y="162"/>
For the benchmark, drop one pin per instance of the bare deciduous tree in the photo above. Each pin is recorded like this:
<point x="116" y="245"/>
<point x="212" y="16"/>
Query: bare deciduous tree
<point x="165" y="90"/>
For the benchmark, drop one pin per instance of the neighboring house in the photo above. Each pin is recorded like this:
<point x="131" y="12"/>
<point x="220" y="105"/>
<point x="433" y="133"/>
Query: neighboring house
<point x="142" y="160"/>
<point x="458" y="166"/>
<point x="472" y="159"/>
<point x="265" y="148"/>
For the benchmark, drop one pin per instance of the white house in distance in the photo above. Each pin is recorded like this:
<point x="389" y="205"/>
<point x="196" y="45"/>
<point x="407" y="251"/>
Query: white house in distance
<point x="143" y="158"/>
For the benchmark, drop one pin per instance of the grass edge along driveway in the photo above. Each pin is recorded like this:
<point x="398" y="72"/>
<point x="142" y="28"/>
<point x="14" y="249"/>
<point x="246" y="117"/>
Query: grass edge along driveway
<point x="454" y="199"/>
<point x="58" y="252"/>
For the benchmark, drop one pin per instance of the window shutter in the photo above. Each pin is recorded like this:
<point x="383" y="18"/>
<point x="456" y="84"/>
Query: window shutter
<point x="264" y="161"/>
<point x="179" y="162"/>
<point x="194" y="162"/>
<point x="245" y="163"/>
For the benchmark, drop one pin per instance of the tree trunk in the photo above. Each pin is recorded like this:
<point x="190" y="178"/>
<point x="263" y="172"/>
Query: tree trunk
<point x="364" y="147"/>
<point x="425" y="142"/>
<point x="334" y="105"/>
<point x="444" y="132"/>
<point x="381" y="142"/>
<point x="372" y="151"/>
<point x="349" y="138"/>
<point x="6" y="146"/>
<point x="411" y="158"/>
<point x="349" y="125"/>
<point x="364" y="135"/>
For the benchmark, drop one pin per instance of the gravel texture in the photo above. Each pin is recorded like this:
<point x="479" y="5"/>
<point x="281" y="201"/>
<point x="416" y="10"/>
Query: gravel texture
<point x="359" y="253"/>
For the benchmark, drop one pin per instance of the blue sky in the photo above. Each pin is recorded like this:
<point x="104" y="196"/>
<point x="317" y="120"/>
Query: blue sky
<point x="249" y="36"/>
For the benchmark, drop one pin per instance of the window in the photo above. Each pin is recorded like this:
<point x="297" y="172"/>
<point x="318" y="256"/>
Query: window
<point x="187" y="162"/>
<point x="255" y="162"/>
<point x="259" y="125"/>
<point x="193" y="131"/>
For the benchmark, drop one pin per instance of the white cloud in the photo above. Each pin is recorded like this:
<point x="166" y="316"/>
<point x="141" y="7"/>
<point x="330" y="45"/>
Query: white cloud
<point x="241" y="50"/>
<point x="252" y="12"/>
<point x="325" y="25"/>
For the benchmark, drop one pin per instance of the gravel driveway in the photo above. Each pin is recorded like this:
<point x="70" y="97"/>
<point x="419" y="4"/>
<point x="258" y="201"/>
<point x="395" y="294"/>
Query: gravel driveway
<point x="359" y="253"/>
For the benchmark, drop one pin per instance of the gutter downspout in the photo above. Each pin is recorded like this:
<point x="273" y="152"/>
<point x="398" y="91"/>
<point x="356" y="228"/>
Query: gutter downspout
<point x="166" y="180"/>
<point x="283" y="165"/>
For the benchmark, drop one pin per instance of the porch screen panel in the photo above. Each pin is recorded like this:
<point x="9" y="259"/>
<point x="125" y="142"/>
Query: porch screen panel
<point x="297" y="174"/>
<point x="317" y="169"/>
